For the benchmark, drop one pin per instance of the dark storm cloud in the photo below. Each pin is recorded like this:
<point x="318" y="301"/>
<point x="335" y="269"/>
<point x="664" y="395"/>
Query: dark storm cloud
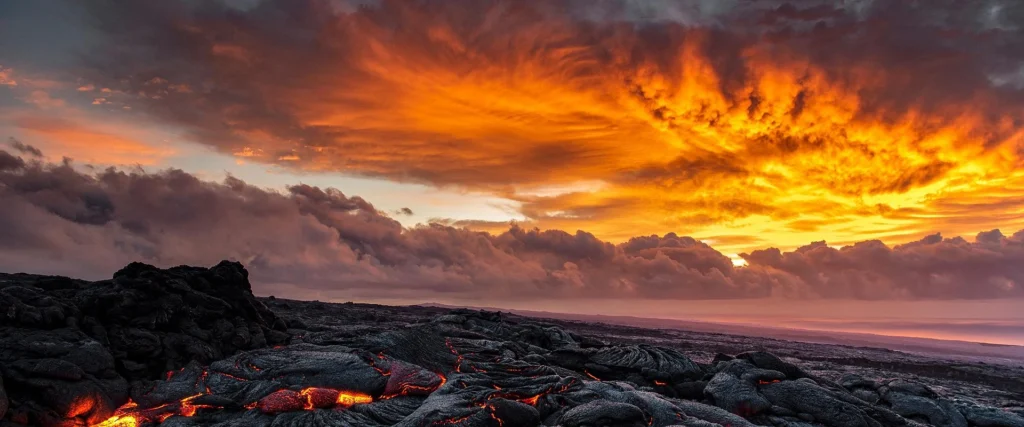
<point x="57" y="219"/>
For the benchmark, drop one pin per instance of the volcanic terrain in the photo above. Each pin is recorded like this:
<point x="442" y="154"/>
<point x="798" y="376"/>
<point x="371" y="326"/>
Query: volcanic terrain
<point x="191" y="346"/>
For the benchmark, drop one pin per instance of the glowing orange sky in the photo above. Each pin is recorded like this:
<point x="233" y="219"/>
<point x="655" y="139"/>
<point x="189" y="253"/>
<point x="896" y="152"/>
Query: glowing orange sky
<point x="620" y="130"/>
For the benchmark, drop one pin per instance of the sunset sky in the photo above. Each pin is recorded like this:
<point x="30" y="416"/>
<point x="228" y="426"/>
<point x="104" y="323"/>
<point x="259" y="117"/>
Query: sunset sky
<point x="700" y="147"/>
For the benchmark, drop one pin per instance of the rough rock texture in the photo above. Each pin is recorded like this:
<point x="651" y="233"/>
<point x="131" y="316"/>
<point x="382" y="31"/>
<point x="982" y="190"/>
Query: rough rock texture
<point x="918" y="402"/>
<point x="817" y="403"/>
<point x="3" y="399"/>
<point x="68" y="348"/>
<point x="734" y="387"/>
<point x="989" y="417"/>
<point x="192" y="347"/>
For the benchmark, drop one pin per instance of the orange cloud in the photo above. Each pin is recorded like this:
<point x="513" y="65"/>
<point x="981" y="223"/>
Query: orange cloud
<point x="788" y="124"/>
<point x="89" y="143"/>
<point x="43" y="100"/>
<point x="7" y="77"/>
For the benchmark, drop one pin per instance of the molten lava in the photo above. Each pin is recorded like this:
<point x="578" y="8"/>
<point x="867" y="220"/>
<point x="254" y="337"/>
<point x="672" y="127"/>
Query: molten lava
<point x="130" y="415"/>
<point x="310" y="398"/>
<point x="123" y="417"/>
<point x="352" y="398"/>
<point x="403" y="379"/>
<point x="120" y="421"/>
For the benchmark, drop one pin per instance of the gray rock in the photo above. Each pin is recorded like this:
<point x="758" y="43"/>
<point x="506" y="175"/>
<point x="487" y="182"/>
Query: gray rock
<point x="789" y="422"/>
<point x="801" y="397"/>
<point x="907" y="387"/>
<point x="735" y="387"/>
<point x="913" y="406"/>
<point x="765" y="360"/>
<point x="736" y="395"/>
<point x="868" y="396"/>
<point x="854" y="381"/>
<point x="604" y="413"/>
<point x="988" y="417"/>
<point x="671" y="371"/>
<point x="712" y="414"/>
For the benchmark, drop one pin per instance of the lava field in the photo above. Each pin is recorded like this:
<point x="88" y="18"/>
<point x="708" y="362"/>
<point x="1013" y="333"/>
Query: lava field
<point x="191" y="346"/>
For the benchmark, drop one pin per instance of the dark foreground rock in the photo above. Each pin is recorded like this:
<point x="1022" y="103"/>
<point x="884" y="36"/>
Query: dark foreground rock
<point x="70" y="348"/>
<point x="193" y="347"/>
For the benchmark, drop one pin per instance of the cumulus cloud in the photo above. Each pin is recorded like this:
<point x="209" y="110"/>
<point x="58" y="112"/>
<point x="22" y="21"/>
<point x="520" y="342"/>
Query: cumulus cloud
<point x="59" y="219"/>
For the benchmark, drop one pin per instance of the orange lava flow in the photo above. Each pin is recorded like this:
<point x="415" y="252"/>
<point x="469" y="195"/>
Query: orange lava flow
<point x="347" y="398"/>
<point x="130" y="415"/>
<point x="122" y="417"/>
<point x="120" y="421"/>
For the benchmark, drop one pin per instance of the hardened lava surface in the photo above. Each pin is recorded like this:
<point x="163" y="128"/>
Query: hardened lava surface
<point x="191" y="346"/>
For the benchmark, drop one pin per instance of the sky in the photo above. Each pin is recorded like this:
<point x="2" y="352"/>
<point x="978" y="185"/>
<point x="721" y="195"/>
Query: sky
<point x="527" y="150"/>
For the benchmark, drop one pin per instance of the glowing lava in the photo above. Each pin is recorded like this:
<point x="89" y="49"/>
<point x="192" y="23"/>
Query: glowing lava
<point x="122" y="417"/>
<point x="352" y="398"/>
<point x="120" y="421"/>
<point x="310" y="398"/>
<point x="402" y="380"/>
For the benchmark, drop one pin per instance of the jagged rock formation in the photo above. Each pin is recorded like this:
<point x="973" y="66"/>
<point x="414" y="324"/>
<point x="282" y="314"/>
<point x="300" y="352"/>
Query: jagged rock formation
<point x="192" y="346"/>
<point x="69" y="348"/>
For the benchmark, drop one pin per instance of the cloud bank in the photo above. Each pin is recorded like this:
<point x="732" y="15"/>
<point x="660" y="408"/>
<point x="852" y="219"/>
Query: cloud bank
<point x="63" y="219"/>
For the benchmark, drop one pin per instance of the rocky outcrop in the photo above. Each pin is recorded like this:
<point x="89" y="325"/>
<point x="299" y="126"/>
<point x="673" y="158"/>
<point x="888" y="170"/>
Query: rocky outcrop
<point x="69" y="348"/>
